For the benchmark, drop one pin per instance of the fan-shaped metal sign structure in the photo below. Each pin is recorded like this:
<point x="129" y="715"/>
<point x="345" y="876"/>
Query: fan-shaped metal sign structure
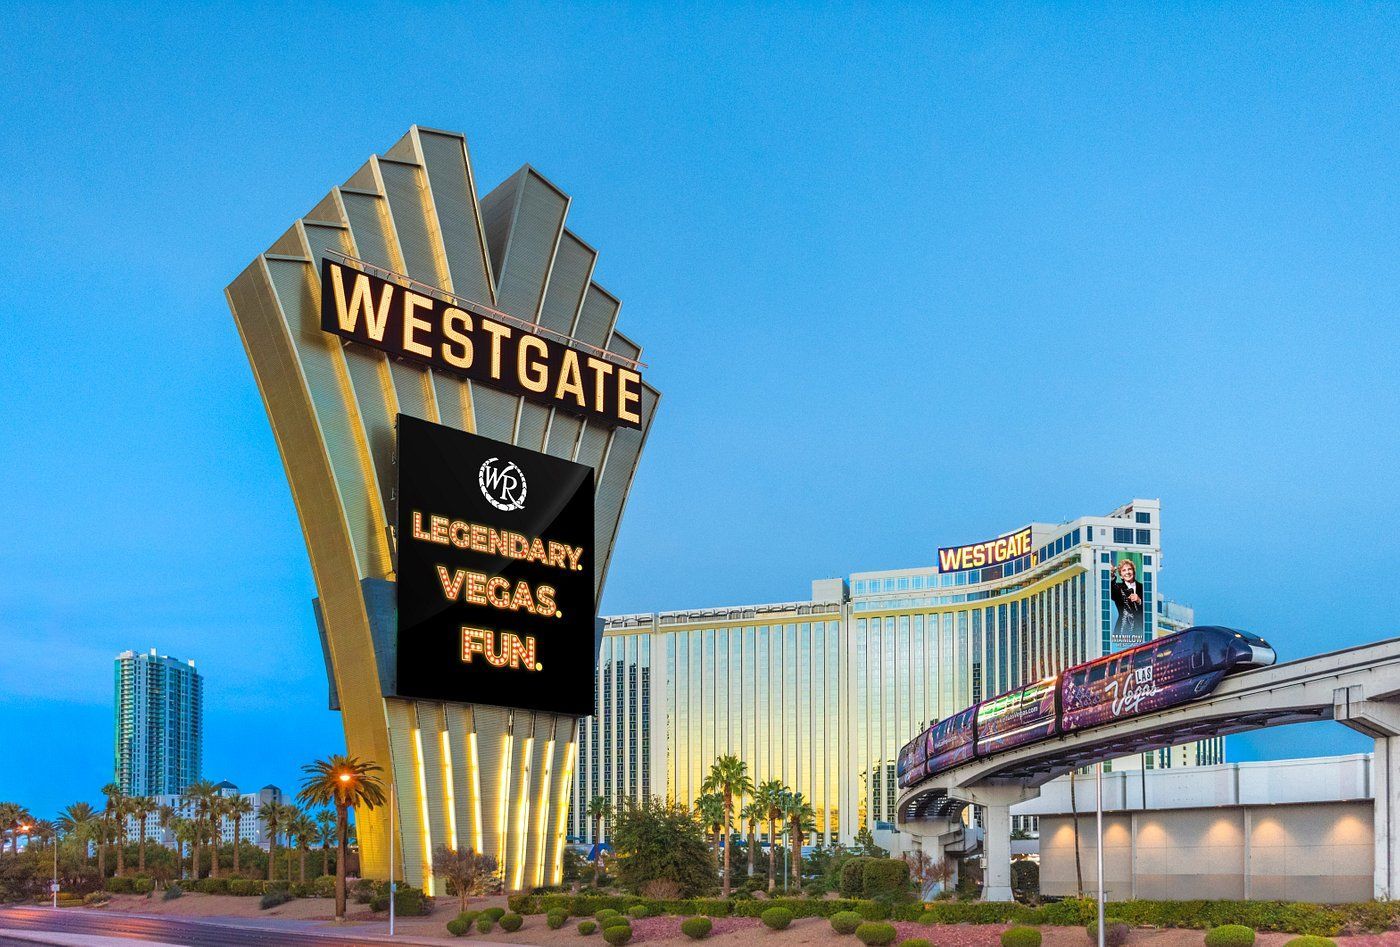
<point x="402" y="300"/>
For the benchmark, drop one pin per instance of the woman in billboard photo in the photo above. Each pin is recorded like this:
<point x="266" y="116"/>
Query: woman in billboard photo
<point x="1127" y="598"/>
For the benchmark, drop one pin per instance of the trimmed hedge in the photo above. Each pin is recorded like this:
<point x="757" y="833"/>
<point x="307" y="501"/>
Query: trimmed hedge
<point x="638" y="910"/>
<point x="915" y="942"/>
<point x="845" y="922"/>
<point x="129" y="885"/>
<point x="587" y="927"/>
<point x="776" y="918"/>
<point x="617" y="936"/>
<point x="556" y="920"/>
<point x="458" y="927"/>
<point x="247" y="887"/>
<point x="511" y="922"/>
<point x="274" y="898"/>
<point x="853" y="876"/>
<point x="1311" y="940"/>
<point x="496" y="914"/>
<point x="1230" y="935"/>
<point x="884" y="878"/>
<point x="697" y="928"/>
<point x="1021" y="937"/>
<point x="876" y="933"/>
<point x="484" y="924"/>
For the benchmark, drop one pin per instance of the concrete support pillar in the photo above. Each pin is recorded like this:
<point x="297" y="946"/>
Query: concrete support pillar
<point x="996" y="844"/>
<point x="1379" y="720"/>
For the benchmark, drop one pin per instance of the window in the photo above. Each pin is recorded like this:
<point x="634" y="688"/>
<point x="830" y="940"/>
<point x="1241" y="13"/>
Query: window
<point x="1144" y="537"/>
<point x="1089" y="533"/>
<point x="904" y="584"/>
<point x="1122" y="534"/>
<point x="1106" y="559"/>
<point x="889" y="585"/>
<point x="1143" y="517"/>
<point x="1147" y="559"/>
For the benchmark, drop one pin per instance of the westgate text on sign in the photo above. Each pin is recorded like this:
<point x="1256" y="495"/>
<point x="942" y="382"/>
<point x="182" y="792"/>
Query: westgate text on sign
<point x="365" y="308"/>
<point x="990" y="553"/>
<point x="495" y="572"/>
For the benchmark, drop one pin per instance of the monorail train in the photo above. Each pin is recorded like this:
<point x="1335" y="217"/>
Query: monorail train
<point x="1171" y="670"/>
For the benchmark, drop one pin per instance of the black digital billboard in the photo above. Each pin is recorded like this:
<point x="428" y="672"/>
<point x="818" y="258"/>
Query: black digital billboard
<point x="495" y="572"/>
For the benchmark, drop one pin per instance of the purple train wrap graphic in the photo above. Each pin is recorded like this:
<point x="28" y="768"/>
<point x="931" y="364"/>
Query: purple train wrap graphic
<point x="1174" y="669"/>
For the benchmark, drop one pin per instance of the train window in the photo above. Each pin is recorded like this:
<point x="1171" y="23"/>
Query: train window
<point x="1143" y="658"/>
<point x="1097" y="673"/>
<point x="1079" y="677"/>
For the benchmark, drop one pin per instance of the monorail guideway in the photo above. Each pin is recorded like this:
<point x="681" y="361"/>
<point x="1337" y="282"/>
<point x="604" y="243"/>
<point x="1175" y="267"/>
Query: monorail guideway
<point x="1202" y="682"/>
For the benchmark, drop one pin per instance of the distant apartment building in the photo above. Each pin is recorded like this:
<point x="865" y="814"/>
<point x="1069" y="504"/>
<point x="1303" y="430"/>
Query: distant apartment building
<point x="159" y="723"/>
<point x="250" y="827"/>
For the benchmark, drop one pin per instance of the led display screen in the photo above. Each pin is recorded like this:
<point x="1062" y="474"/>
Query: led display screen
<point x="495" y="572"/>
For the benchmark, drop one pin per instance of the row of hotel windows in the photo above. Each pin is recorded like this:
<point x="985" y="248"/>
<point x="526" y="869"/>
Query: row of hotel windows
<point x="968" y="577"/>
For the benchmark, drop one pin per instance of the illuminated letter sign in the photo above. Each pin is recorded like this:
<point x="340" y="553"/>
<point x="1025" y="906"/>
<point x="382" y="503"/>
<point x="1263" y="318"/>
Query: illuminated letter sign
<point x="362" y="307"/>
<point x="495" y="572"/>
<point x="990" y="553"/>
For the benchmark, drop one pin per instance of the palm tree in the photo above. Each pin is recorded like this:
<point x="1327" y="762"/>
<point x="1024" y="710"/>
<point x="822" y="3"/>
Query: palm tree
<point x="729" y="776"/>
<point x="752" y="814"/>
<point x="801" y="818"/>
<point x="600" y="810"/>
<point x="9" y="817"/>
<point x="113" y="812"/>
<point x="236" y="807"/>
<point x="184" y="831"/>
<point x="325" y="831"/>
<point x="770" y="795"/>
<point x="709" y="808"/>
<point x="142" y="808"/>
<point x="274" y="816"/>
<point x="78" y="822"/>
<point x="200" y="796"/>
<point x="342" y="781"/>
<point x="44" y="831"/>
<point x="306" y="830"/>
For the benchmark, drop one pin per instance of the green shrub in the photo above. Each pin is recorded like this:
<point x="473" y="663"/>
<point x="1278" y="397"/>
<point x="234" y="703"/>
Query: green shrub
<point x="172" y="892"/>
<point x="927" y="917"/>
<point x="363" y="891"/>
<point x="638" y="910"/>
<point x="845" y="922"/>
<point x="915" y="942"/>
<point x="274" y="898"/>
<point x="214" y="886"/>
<point x="143" y="885"/>
<point x="776" y="918"/>
<point x="1115" y="932"/>
<point x="484" y="923"/>
<point x="884" y="877"/>
<point x="605" y="913"/>
<point x="323" y="887"/>
<point x="697" y="928"/>
<point x="1230" y="935"/>
<point x="511" y="922"/>
<point x="853" y="876"/>
<point x="117" y="885"/>
<point x="1311" y="940"/>
<point x="246" y="887"/>
<point x="587" y="927"/>
<point x="556" y="919"/>
<point x="617" y="935"/>
<point x="457" y="927"/>
<point x="875" y="933"/>
<point x="97" y="897"/>
<point x="1020" y="937"/>
<point x="495" y="914"/>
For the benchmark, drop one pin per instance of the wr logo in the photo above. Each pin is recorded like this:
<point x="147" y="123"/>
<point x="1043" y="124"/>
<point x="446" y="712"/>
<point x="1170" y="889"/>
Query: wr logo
<point x="503" y="485"/>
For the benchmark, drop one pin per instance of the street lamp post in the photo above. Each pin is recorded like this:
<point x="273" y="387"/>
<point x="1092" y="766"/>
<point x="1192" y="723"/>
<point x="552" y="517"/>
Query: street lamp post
<point x="393" y="804"/>
<point x="1098" y="845"/>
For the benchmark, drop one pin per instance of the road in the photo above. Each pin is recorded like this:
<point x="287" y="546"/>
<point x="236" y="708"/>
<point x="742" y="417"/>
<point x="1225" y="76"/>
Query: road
<point x="83" y="928"/>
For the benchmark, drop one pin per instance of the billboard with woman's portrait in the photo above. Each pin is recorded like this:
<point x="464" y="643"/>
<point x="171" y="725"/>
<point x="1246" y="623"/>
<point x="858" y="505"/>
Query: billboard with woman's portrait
<point x="1126" y="592"/>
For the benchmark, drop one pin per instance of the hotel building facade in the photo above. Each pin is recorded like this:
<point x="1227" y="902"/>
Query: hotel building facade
<point x="822" y="694"/>
<point x="159" y="703"/>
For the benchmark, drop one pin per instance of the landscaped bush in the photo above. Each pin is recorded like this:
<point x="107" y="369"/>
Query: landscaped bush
<point x="117" y="885"/>
<point x="408" y="901"/>
<point x="172" y="892"/>
<point x="511" y="922"/>
<point x="97" y="897"/>
<point x="776" y="918"/>
<point x="245" y="887"/>
<point x="618" y="934"/>
<point x="458" y="927"/>
<point x="1311" y="940"/>
<point x="876" y="933"/>
<point x="274" y="898"/>
<point x="812" y="907"/>
<point x="853" y="876"/>
<point x="1230" y="935"/>
<point x="915" y="942"/>
<point x="884" y="877"/>
<point x="697" y="928"/>
<point x="322" y="887"/>
<point x="496" y="914"/>
<point x="362" y="891"/>
<point x="484" y="923"/>
<point x="605" y="913"/>
<point x="214" y="886"/>
<point x="928" y="917"/>
<point x="638" y="910"/>
<point x="587" y="927"/>
<point x="1115" y="932"/>
<point x="1020" y="937"/>
<point x="556" y="920"/>
<point x="976" y="912"/>
<point x="845" y="922"/>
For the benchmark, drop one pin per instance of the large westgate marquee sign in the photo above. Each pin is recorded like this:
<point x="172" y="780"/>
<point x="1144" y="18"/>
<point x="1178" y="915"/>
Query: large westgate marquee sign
<point x="495" y="572"/>
<point x="363" y="307"/>
<point x="992" y="552"/>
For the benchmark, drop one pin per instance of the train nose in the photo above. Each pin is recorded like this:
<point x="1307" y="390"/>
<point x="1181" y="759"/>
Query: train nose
<point x="1261" y="655"/>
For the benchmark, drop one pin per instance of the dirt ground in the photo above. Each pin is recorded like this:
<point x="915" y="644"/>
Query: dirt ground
<point x="318" y="913"/>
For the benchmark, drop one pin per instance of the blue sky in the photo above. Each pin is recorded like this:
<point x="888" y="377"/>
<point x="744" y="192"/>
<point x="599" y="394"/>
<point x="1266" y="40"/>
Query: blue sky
<point x="904" y="277"/>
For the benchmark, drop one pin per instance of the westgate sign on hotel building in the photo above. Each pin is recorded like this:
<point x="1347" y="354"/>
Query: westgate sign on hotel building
<point x="460" y="420"/>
